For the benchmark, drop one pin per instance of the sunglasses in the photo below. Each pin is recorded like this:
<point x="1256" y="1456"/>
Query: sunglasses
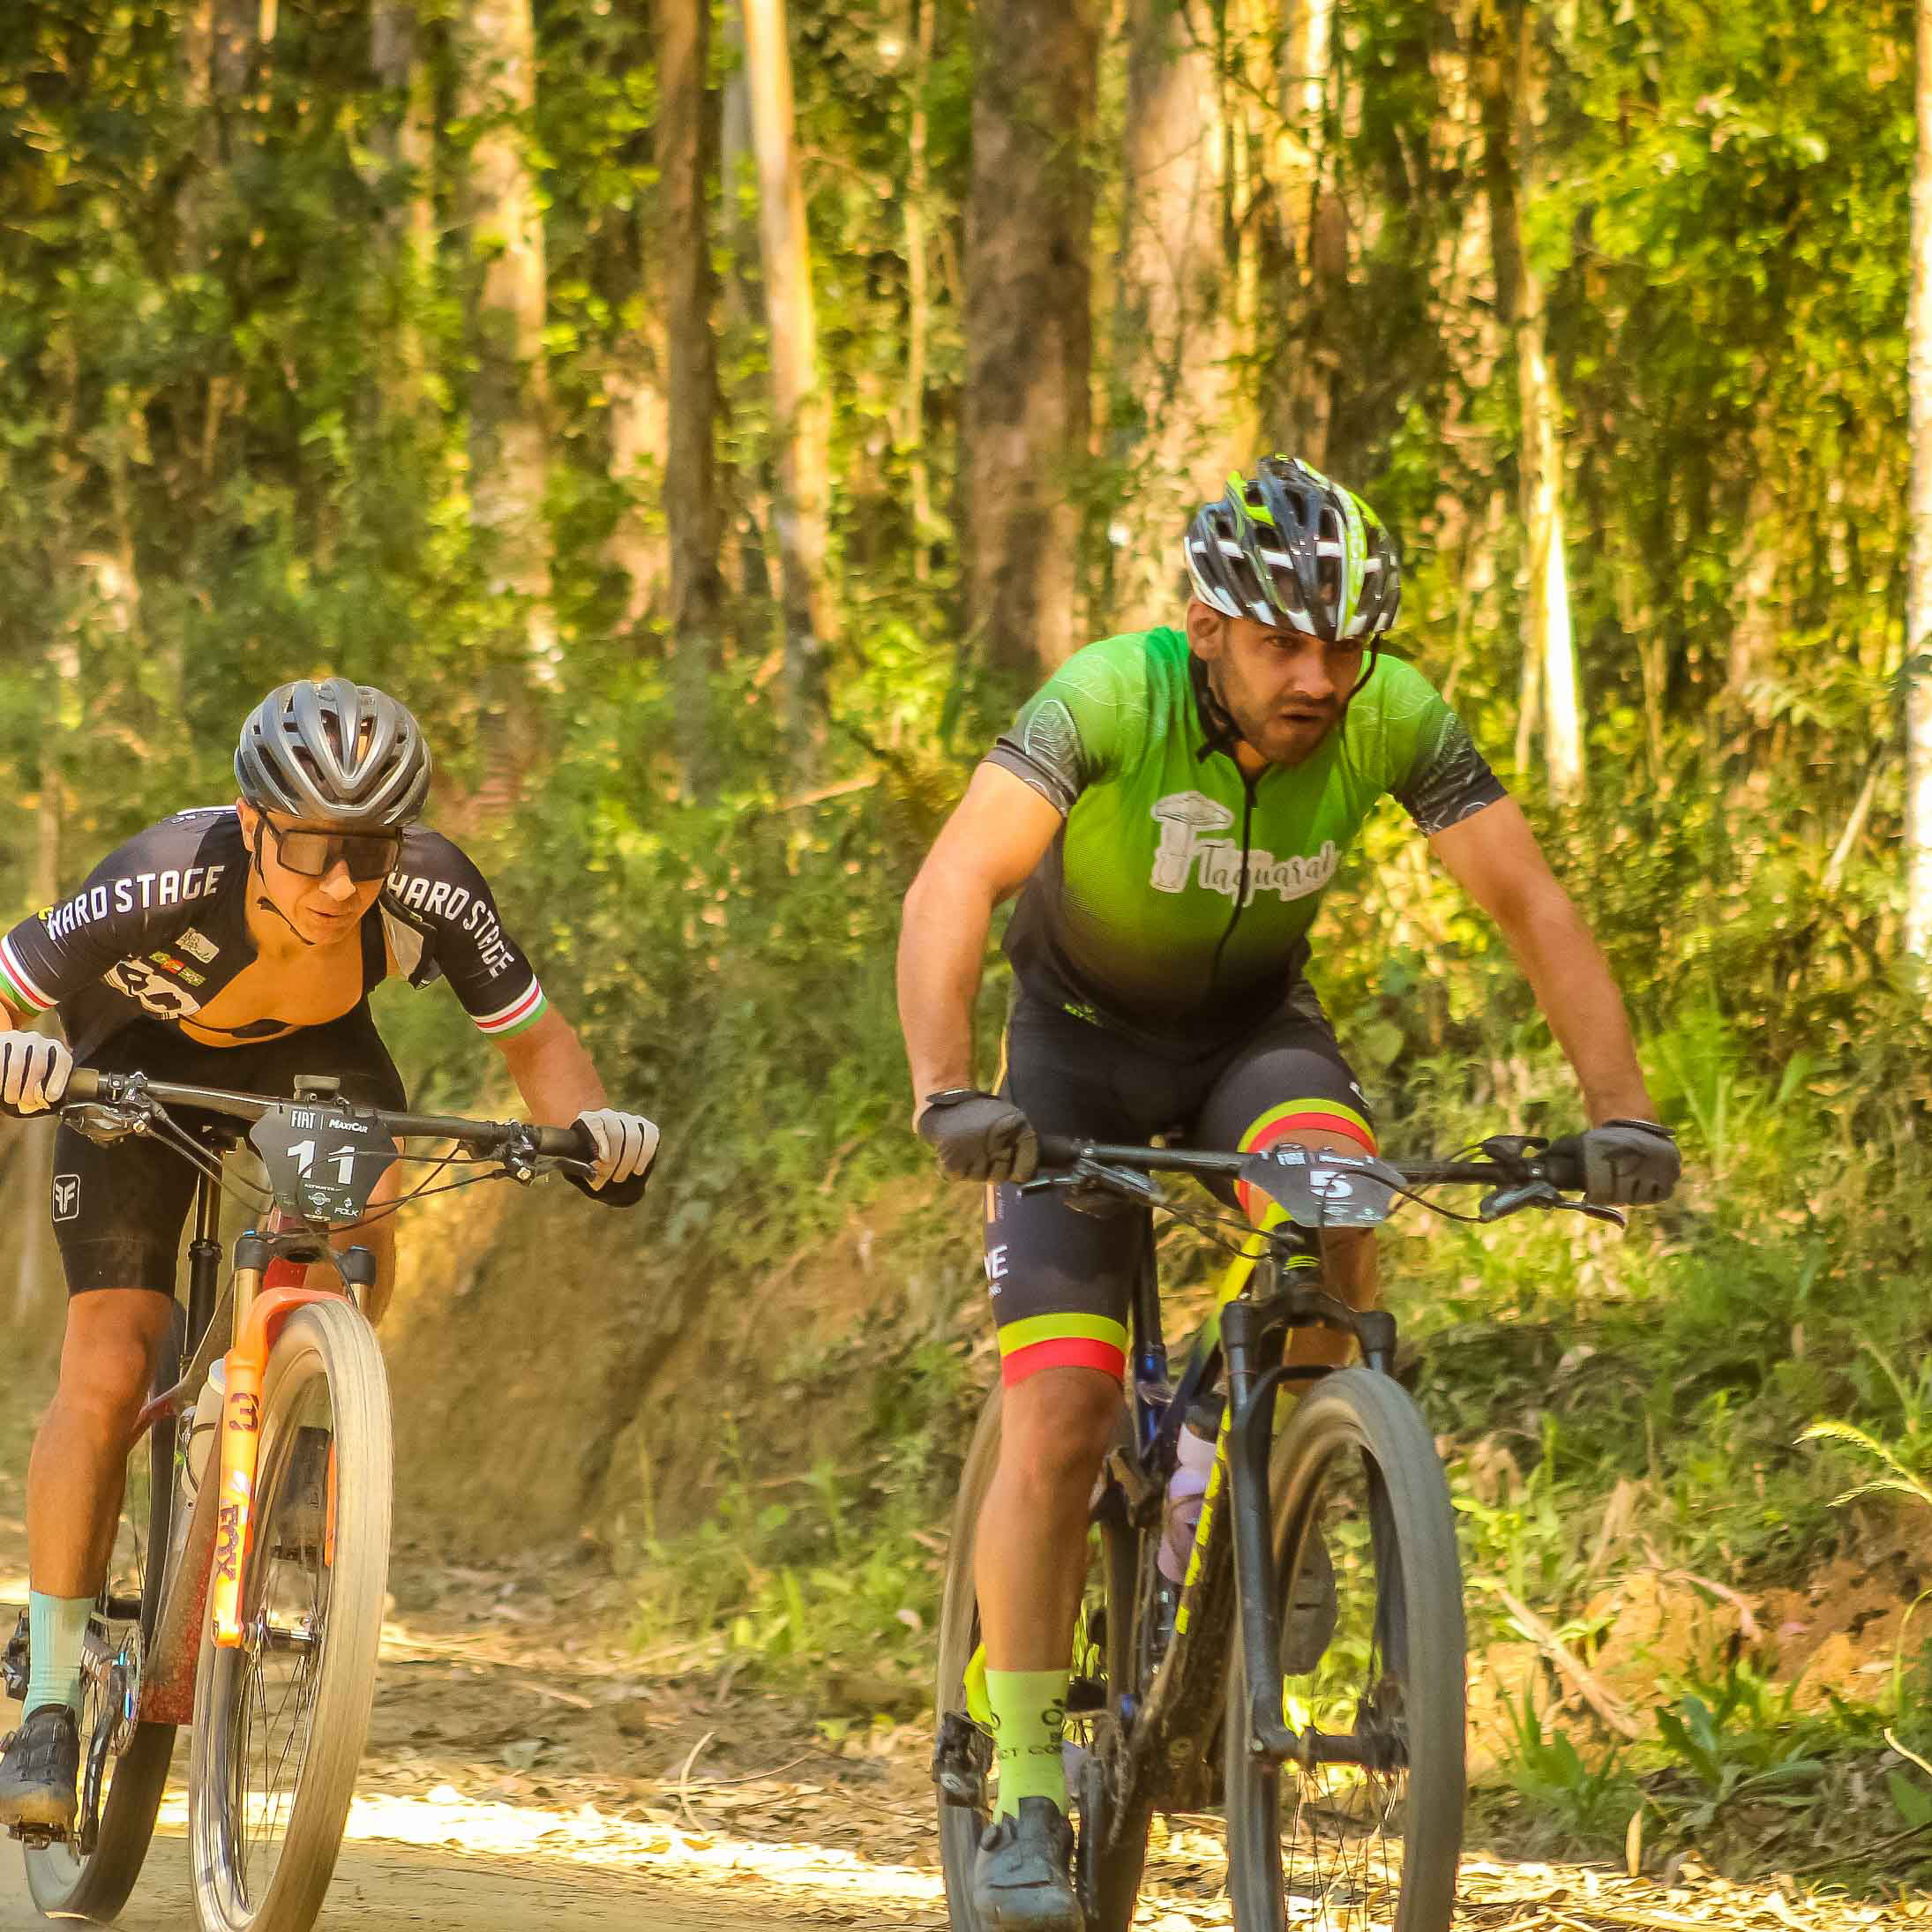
<point x="314" y="855"/>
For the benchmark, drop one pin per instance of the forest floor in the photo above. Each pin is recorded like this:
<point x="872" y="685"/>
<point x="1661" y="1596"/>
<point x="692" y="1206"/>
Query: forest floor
<point x="526" y="1762"/>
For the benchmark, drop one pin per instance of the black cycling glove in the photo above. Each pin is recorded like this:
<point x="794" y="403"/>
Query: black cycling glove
<point x="1621" y="1163"/>
<point x="978" y="1136"/>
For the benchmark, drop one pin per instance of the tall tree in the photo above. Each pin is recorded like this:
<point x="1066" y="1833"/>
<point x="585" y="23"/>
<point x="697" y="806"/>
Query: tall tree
<point x="509" y="449"/>
<point x="1028" y="324"/>
<point x="799" y="397"/>
<point x="1172" y="335"/>
<point x="1549" y="648"/>
<point x="403" y="139"/>
<point x="1918" y="934"/>
<point x="686" y="137"/>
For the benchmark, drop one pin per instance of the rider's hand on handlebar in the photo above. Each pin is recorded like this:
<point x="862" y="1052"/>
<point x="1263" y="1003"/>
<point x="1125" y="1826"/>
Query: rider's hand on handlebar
<point x="626" y="1145"/>
<point x="978" y="1136"/>
<point x="1621" y="1163"/>
<point x="34" y="1070"/>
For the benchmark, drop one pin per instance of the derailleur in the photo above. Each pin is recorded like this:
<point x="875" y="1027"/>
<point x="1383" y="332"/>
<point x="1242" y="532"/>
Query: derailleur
<point x="962" y="1758"/>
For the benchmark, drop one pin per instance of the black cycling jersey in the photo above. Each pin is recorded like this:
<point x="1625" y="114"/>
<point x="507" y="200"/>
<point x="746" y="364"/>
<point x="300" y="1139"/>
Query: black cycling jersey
<point x="160" y="927"/>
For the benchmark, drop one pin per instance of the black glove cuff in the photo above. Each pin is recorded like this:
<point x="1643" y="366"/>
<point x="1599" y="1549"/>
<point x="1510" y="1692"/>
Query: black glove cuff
<point x="1647" y="1126"/>
<point x="952" y="1096"/>
<point x="621" y="1193"/>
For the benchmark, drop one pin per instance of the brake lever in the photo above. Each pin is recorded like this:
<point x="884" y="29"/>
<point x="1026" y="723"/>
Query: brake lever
<point x="1543" y="1194"/>
<point x="1090" y="1176"/>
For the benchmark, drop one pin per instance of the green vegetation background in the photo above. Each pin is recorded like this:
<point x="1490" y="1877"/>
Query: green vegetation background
<point x="210" y="485"/>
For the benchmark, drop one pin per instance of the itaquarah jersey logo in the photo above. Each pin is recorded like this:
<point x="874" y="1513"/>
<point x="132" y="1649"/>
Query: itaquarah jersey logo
<point x="1192" y="852"/>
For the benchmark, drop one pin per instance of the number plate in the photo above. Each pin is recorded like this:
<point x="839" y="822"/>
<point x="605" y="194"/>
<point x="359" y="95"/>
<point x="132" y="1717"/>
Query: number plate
<point x="323" y="1161"/>
<point x="1325" y="1190"/>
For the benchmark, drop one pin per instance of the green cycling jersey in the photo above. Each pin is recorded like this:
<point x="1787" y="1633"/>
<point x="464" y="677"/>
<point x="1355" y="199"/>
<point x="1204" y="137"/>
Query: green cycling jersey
<point x="1175" y="901"/>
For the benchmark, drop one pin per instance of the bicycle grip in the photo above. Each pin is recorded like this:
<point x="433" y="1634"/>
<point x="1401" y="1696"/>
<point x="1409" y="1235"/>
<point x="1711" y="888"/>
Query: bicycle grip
<point x="570" y="1143"/>
<point x="83" y="1083"/>
<point x="1058" y="1149"/>
<point x="1562" y="1163"/>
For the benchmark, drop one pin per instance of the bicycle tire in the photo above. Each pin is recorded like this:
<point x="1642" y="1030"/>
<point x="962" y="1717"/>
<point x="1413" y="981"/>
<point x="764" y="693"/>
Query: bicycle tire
<point x="1358" y="1416"/>
<point x="961" y="1825"/>
<point x="96" y="1885"/>
<point x="327" y="1343"/>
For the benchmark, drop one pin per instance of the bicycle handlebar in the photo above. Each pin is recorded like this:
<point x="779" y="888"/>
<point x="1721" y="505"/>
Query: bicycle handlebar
<point x="90" y="1084"/>
<point x="1064" y="1149"/>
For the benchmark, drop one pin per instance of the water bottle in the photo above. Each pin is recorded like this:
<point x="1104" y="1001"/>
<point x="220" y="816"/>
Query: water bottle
<point x="204" y="1424"/>
<point x="1185" y="1489"/>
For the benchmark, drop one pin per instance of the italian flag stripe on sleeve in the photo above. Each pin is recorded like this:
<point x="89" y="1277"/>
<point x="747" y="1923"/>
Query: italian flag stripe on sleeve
<point x="525" y="1010"/>
<point x="18" y="984"/>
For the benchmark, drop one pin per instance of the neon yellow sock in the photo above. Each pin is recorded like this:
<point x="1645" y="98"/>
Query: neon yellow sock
<point x="1029" y="1715"/>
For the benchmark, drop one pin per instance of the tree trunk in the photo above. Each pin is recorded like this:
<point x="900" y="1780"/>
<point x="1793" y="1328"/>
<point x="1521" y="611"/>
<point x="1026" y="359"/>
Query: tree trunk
<point x="918" y="302"/>
<point x="1029" y="326"/>
<point x="685" y="137"/>
<point x="508" y="437"/>
<point x="1918" y="932"/>
<point x="403" y="139"/>
<point x="1546" y="623"/>
<point x="798" y="399"/>
<point x="1172" y="334"/>
<point x="1319" y="219"/>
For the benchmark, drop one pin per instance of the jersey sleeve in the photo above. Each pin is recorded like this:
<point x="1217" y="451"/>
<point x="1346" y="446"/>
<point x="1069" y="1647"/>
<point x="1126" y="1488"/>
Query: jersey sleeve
<point x="140" y="894"/>
<point x="1081" y="726"/>
<point x="1436" y="774"/>
<point x="441" y="922"/>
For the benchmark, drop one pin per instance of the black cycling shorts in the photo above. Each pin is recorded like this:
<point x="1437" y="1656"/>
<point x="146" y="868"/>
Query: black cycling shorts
<point x="1060" y="1277"/>
<point x="119" y="1210"/>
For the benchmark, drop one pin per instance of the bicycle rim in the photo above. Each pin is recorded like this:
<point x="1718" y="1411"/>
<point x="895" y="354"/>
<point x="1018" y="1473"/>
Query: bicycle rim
<point x="1103" y="1643"/>
<point x="134" y="1758"/>
<point x="280" y="1719"/>
<point x="1358" y="1846"/>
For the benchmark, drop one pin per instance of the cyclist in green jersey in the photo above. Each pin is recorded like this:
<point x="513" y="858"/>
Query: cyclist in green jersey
<point x="1171" y="806"/>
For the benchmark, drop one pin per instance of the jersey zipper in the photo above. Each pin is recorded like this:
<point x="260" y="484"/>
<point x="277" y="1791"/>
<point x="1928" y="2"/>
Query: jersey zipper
<point x="1241" y="891"/>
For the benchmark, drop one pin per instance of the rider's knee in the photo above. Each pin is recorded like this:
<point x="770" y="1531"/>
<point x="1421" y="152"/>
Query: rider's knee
<point x="107" y="1361"/>
<point x="1057" y="1425"/>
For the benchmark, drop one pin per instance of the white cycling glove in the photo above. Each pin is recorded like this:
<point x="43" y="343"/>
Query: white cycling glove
<point x="626" y="1145"/>
<point x="34" y="1070"/>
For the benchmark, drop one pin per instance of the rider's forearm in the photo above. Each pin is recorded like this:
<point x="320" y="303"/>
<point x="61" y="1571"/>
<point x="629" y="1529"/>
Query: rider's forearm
<point x="552" y="1071"/>
<point x="1573" y="986"/>
<point x="942" y="944"/>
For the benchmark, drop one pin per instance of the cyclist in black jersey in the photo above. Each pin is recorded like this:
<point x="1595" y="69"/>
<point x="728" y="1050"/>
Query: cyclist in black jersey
<point x="236" y="947"/>
<point x="1171" y="806"/>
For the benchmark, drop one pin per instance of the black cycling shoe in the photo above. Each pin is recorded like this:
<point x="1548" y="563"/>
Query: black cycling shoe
<point x="1308" y="1624"/>
<point x="1023" y="1878"/>
<point x="39" y="1770"/>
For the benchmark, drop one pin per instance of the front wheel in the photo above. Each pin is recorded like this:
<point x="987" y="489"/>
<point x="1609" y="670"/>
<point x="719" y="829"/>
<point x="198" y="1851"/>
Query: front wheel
<point x="280" y="1719"/>
<point x="123" y="1763"/>
<point x="1373" y="1663"/>
<point x="1103" y="1648"/>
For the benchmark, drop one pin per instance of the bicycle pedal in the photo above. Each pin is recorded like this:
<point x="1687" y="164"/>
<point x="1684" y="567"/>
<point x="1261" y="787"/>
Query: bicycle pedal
<point x="962" y="1756"/>
<point x="1085" y="1694"/>
<point x="13" y="1662"/>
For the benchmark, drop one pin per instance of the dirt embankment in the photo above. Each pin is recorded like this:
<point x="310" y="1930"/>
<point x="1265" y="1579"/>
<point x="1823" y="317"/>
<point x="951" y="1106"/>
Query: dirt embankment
<point x="558" y="1376"/>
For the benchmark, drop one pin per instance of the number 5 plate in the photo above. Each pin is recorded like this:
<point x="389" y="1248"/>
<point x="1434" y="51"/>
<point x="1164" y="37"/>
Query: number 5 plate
<point x="323" y="1161"/>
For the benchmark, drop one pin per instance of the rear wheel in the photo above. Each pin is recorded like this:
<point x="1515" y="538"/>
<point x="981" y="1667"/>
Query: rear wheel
<point x="1376" y="1663"/>
<point x="280" y="1719"/>
<point x="1103" y="1670"/>
<point x="123" y="1767"/>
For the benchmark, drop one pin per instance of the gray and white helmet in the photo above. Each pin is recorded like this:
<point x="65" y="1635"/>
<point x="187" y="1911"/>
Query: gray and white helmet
<point x="328" y="749"/>
<point x="1287" y="547"/>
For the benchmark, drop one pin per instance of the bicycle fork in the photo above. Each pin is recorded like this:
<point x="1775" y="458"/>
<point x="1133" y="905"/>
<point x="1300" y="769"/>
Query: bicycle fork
<point x="1251" y="1333"/>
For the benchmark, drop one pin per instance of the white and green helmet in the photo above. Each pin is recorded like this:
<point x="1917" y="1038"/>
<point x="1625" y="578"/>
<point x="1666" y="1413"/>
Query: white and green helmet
<point x="1287" y="547"/>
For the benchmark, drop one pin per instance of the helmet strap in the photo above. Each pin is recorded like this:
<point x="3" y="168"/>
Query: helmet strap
<point x="262" y="899"/>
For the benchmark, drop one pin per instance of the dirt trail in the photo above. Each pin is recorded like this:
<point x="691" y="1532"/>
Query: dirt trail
<point x="528" y="1767"/>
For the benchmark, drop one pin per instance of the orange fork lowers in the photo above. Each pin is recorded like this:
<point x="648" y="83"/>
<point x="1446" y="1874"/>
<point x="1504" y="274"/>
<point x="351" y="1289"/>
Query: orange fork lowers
<point x="241" y="1439"/>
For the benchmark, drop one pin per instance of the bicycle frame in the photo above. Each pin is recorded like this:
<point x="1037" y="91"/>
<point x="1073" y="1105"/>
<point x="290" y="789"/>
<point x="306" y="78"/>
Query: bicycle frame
<point x="1161" y="1760"/>
<point x="203" y="1585"/>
